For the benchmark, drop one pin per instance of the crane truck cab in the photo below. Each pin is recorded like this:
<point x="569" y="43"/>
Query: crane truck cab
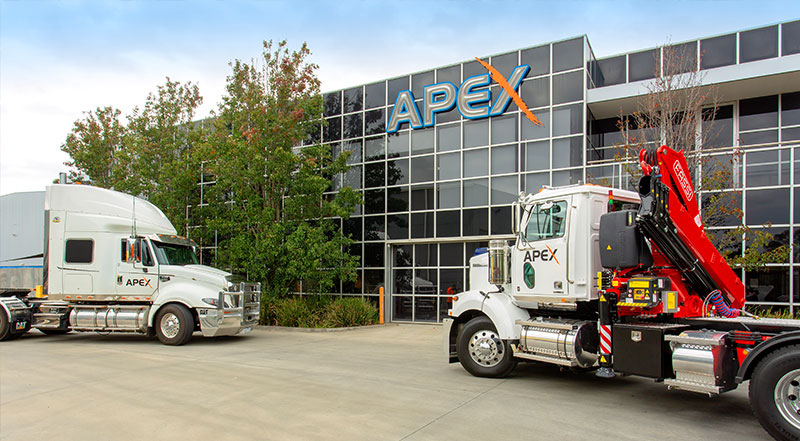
<point x="113" y="262"/>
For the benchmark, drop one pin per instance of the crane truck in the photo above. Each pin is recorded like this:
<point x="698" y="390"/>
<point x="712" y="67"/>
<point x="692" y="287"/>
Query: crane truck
<point x="624" y="282"/>
<point x="112" y="262"/>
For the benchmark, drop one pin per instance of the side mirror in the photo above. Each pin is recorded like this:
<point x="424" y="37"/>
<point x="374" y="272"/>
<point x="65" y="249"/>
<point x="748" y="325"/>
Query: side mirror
<point x="515" y="218"/>
<point x="133" y="250"/>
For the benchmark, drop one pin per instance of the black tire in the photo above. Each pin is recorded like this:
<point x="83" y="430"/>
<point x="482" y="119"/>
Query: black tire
<point x="174" y="325"/>
<point x="775" y="393"/>
<point x="481" y="352"/>
<point x="5" y="326"/>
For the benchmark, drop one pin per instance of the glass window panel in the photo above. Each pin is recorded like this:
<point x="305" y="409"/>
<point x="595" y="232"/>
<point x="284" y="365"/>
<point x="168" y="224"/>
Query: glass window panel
<point x="352" y="177"/>
<point x="449" y="195"/>
<point x="422" y="169"/>
<point x="567" y="177"/>
<point x="352" y="125"/>
<point x="537" y="155"/>
<point x="448" y="137"/>
<point x="373" y="281"/>
<point x="718" y="127"/>
<point x="476" y="163"/>
<point x="762" y="206"/>
<point x="472" y="248"/>
<point x="767" y="285"/>
<point x="476" y="133"/>
<point x="535" y="181"/>
<point x="401" y="305"/>
<point x="425" y="282"/>
<point x="612" y="71"/>
<point x="504" y="190"/>
<point x="505" y="63"/>
<point x="396" y="86"/>
<point x="476" y="222"/>
<point x="448" y="223"/>
<point x="374" y="122"/>
<point x="374" y="201"/>
<point x="536" y="92"/>
<point x="473" y="68"/>
<point x="602" y="176"/>
<point x="790" y="109"/>
<point x="758" y="44"/>
<point x="354" y="148"/>
<point x="767" y="168"/>
<point x="758" y="113"/>
<point x="568" y="152"/>
<point x="350" y="287"/>
<point x="403" y="256"/>
<point x="451" y="281"/>
<point x="397" y="172"/>
<point x="790" y="42"/>
<point x="421" y="225"/>
<point x="504" y="159"/>
<point x="567" y="54"/>
<point x="643" y="65"/>
<point x="538" y="58"/>
<point x="680" y="58"/>
<point x="451" y="254"/>
<point x="373" y="254"/>
<point x="451" y="74"/>
<point x="422" y="197"/>
<point x="531" y="131"/>
<point x="501" y="220"/>
<point x="722" y="171"/>
<point x="374" y="228"/>
<point x="353" y="100"/>
<point x="375" y="95"/>
<point x="449" y="166"/>
<point x="568" y="120"/>
<point x="422" y="141"/>
<point x="333" y="103"/>
<point x="504" y="129"/>
<point x="762" y="137"/>
<point x="425" y="255"/>
<point x="375" y="175"/>
<point x="449" y="116"/>
<point x="332" y="131"/>
<point x="718" y="51"/>
<point x="397" y="226"/>
<point x="375" y="148"/>
<point x="796" y="191"/>
<point x="790" y="134"/>
<point x="425" y="308"/>
<point x="396" y="199"/>
<point x="419" y="81"/>
<point x="567" y="87"/>
<point x="398" y="145"/>
<point x="476" y="192"/>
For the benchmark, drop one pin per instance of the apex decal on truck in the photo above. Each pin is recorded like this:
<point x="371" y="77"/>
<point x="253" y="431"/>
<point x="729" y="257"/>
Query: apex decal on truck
<point x="472" y="98"/>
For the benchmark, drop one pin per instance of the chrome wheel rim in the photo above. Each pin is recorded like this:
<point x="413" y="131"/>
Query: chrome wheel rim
<point x="485" y="348"/>
<point x="787" y="397"/>
<point x="170" y="325"/>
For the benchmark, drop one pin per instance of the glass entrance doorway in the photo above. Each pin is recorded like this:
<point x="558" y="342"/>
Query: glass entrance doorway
<point x="424" y="276"/>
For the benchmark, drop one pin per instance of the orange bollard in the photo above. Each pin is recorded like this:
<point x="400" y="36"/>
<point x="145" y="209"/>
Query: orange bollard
<point x="380" y="305"/>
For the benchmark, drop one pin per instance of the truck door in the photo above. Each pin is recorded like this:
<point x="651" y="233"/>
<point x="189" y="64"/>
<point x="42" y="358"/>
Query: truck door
<point x="541" y="269"/>
<point x="137" y="274"/>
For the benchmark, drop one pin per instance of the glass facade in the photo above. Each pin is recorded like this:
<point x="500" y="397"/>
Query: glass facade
<point x="433" y="195"/>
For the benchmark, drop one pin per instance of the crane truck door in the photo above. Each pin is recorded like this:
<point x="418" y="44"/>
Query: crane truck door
<point x="540" y="269"/>
<point x="137" y="274"/>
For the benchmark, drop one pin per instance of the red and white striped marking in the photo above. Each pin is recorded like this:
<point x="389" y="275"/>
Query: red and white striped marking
<point x="605" y="339"/>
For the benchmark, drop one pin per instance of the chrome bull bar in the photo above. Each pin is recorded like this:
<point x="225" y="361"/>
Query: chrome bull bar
<point x="238" y="309"/>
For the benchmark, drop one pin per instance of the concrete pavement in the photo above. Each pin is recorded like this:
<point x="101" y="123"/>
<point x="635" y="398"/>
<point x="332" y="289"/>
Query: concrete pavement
<point x="377" y="383"/>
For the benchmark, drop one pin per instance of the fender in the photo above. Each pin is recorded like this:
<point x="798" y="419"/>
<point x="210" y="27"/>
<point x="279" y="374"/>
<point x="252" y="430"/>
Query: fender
<point x="497" y="306"/>
<point x="746" y="369"/>
<point x="185" y="292"/>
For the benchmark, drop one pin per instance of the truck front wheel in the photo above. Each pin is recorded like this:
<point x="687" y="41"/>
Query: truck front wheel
<point x="174" y="325"/>
<point x="481" y="351"/>
<point x="775" y="393"/>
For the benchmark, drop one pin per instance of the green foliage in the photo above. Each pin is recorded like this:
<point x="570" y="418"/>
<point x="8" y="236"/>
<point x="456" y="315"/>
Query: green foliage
<point x="779" y="312"/>
<point x="319" y="312"/>
<point x="350" y="311"/>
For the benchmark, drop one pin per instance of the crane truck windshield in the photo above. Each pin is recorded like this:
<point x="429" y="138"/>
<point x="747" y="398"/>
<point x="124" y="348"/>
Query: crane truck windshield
<point x="547" y="221"/>
<point x="174" y="254"/>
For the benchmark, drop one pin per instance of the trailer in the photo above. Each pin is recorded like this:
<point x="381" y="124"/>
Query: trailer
<point x="625" y="282"/>
<point x="87" y="259"/>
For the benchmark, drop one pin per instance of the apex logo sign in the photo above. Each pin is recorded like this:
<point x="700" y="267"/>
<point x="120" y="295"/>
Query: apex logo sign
<point x="139" y="282"/>
<point x="543" y="255"/>
<point x="472" y="98"/>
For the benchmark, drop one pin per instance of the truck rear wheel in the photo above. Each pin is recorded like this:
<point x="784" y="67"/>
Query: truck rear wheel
<point x="5" y="326"/>
<point x="174" y="325"/>
<point x="481" y="351"/>
<point x="775" y="393"/>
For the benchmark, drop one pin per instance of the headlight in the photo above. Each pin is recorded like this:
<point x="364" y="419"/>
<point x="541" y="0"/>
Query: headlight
<point x="211" y="301"/>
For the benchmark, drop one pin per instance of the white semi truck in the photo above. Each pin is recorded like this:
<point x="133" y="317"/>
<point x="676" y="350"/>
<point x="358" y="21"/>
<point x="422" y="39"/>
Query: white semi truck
<point x="111" y="262"/>
<point x="625" y="282"/>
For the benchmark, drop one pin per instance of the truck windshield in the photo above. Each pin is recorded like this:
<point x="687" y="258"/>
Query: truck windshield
<point x="172" y="254"/>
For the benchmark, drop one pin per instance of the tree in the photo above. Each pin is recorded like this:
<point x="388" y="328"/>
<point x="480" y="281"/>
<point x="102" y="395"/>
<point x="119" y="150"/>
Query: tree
<point x="675" y="104"/>
<point x="269" y="205"/>
<point x="96" y="148"/>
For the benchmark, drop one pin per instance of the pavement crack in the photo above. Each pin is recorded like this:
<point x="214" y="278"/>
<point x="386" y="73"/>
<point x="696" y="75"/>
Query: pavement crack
<point x="453" y="410"/>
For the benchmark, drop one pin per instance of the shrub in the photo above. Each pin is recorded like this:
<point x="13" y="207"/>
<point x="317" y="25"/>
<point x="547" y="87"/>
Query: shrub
<point x="350" y="311"/>
<point x="295" y="312"/>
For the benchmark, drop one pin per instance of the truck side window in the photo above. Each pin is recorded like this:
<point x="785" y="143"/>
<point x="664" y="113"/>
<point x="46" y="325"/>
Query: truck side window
<point x="147" y="258"/>
<point x="124" y="249"/>
<point x="79" y="251"/>
<point x="548" y="220"/>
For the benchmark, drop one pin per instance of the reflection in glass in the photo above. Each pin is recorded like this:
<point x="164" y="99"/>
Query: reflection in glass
<point x="790" y="44"/>
<point x="401" y="306"/>
<point x="538" y="58"/>
<point x="718" y="127"/>
<point x="352" y="125"/>
<point x="610" y="71"/>
<point x="718" y="51"/>
<point x="374" y="201"/>
<point x="449" y="195"/>
<point x="535" y="181"/>
<point x="396" y="199"/>
<point x="422" y="141"/>
<point x="333" y="103"/>
<point x="568" y="120"/>
<point x="375" y="95"/>
<point x="398" y="145"/>
<point x="397" y="172"/>
<point x="567" y="177"/>
<point x="374" y="228"/>
<point x="501" y="220"/>
<point x="332" y="131"/>
<point x="531" y="131"/>
<point x="375" y="175"/>
<point x="419" y="81"/>
<point x="449" y="166"/>
<point x="504" y="129"/>
<point x="476" y="222"/>
<point x="504" y="190"/>
<point x="504" y="159"/>
<point x="451" y="74"/>
<point x="451" y="254"/>
<point x="373" y="281"/>
<point x="375" y="148"/>
<point x="568" y="54"/>
<point x="448" y="223"/>
<point x="397" y="226"/>
<point x="422" y="197"/>
<point x="448" y="137"/>
<point x="643" y="65"/>
<point x="476" y="163"/>
<point x="763" y="206"/>
<point x="476" y="192"/>
<point x="536" y="92"/>
<point x="374" y="122"/>
<point x="537" y="155"/>
<point x="758" y="44"/>
<point x="421" y="225"/>
<point x="396" y="86"/>
<point x="352" y="100"/>
<point x="758" y="113"/>
<point x="790" y="109"/>
<point x="568" y="152"/>
<point x="567" y="87"/>
<point x="476" y="133"/>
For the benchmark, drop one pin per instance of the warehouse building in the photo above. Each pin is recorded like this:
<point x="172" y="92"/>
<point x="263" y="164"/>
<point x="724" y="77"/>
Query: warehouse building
<point x="440" y="160"/>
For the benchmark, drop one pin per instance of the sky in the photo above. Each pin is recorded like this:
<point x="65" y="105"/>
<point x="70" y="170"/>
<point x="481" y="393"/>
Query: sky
<point x="59" y="60"/>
